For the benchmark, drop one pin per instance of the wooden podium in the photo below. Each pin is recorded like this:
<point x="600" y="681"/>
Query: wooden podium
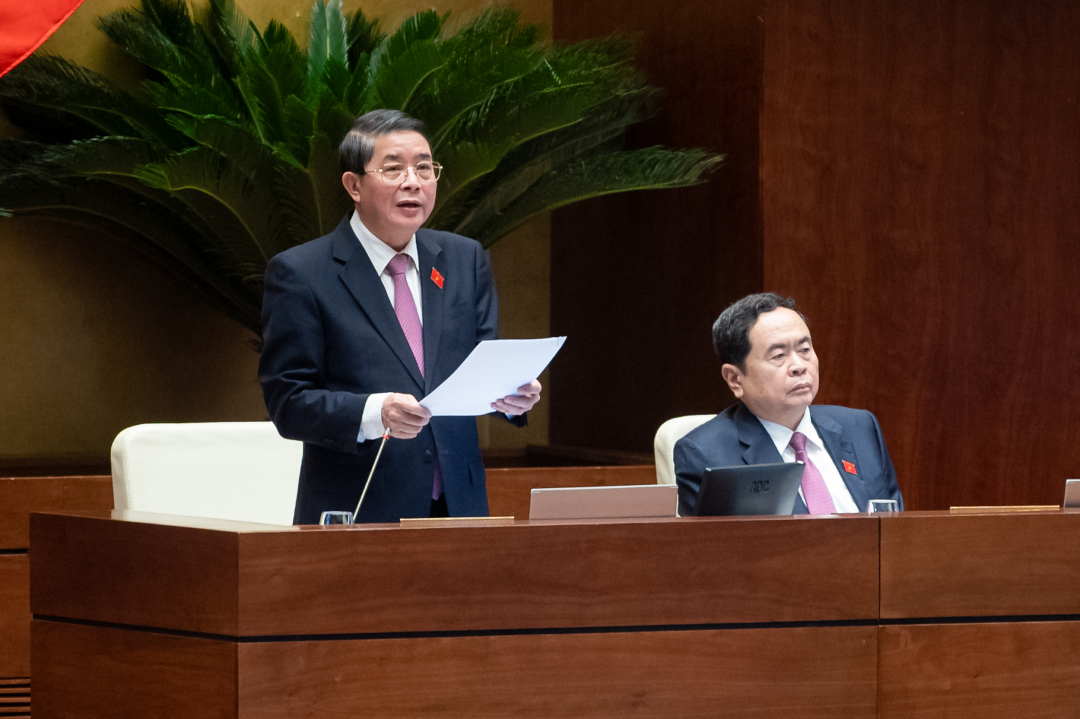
<point x="921" y="614"/>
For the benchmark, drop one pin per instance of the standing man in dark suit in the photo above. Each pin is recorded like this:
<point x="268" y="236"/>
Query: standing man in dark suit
<point x="360" y="324"/>
<point x="770" y="365"/>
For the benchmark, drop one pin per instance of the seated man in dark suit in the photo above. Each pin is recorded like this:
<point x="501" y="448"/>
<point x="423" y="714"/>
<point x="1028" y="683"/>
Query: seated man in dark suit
<point x="769" y="363"/>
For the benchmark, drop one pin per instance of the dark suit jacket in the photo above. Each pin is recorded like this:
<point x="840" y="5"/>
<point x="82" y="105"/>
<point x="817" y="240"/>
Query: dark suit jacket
<point x="735" y="436"/>
<point x="331" y="339"/>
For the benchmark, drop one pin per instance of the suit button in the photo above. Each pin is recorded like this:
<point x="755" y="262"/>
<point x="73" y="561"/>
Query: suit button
<point x="427" y="455"/>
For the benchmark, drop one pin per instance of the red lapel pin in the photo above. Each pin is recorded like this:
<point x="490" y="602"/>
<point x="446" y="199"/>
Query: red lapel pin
<point x="849" y="468"/>
<point x="436" y="277"/>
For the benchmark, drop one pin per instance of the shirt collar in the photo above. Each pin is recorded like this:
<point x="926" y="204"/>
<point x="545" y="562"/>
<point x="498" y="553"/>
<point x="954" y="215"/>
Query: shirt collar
<point x="378" y="251"/>
<point x="781" y="435"/>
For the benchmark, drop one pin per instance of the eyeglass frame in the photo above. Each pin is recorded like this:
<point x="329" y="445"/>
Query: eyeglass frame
<point x="435" y="167"/>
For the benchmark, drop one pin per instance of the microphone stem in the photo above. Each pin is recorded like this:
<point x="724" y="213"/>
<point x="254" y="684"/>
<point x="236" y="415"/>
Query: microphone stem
<point x="386" y="433"/>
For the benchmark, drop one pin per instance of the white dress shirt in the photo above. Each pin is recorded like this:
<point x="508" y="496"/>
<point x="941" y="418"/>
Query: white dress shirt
<point x="380" y="254"/>
<point x="816" y="453"/>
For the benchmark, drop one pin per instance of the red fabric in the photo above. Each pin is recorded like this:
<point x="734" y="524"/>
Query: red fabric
<point x="25" y="24"/>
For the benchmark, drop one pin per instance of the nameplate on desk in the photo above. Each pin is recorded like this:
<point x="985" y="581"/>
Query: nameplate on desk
<point x="455" y="521"/>
<point x="1006" y="509"/>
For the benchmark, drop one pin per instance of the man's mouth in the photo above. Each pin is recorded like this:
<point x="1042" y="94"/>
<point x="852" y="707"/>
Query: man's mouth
<point x="409" y="204"/>
<point x="802" y="387"/>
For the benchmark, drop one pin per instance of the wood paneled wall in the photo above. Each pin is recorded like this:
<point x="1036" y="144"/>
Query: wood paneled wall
<point x="919" y="180"/>
<point x="637" y="280"/>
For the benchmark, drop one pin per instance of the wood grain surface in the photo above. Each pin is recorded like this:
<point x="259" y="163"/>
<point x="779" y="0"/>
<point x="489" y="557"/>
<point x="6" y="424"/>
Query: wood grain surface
<point x="172" y="577"/>
<point x="817" y="672"/>
<point x="509" y="489"/>
<point x="920" y="172"/>
<point x="83" y="672"/>
<point x="14" y="615"/>
<point x="19" y="496"/>
<point x="560" y="574"/>
<point x="638" y="279"/>
<point x="967" y="565"/>
<point x="383" y="578"/>
<point x="982" y="671"/>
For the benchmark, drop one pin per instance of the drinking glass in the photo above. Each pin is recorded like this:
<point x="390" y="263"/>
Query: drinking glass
<point x="883" y="506"/>
<point x="336" y="518"/>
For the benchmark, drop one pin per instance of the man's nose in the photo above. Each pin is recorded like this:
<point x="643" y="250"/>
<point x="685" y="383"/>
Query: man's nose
<point x="410" y="179"/>
<point x="798" y="365"/>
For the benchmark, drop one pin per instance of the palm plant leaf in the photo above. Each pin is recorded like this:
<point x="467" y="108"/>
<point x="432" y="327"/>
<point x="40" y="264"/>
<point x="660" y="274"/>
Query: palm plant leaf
<point x="49" y="95"/>
<point x="228" y="155"/>
<point x="598" y="174"/>
<point x="404" y="61"/>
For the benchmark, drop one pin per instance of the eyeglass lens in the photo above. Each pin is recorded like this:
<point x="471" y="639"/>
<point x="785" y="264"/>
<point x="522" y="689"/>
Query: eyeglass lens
<point x="426" y="171"/>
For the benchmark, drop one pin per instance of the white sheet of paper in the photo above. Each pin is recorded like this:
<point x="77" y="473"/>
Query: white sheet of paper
<point x="493" y="370"/>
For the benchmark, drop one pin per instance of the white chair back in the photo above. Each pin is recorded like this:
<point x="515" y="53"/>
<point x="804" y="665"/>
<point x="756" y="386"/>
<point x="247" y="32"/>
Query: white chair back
<point x="222" y="470"/>
<point x="669" y="433"/>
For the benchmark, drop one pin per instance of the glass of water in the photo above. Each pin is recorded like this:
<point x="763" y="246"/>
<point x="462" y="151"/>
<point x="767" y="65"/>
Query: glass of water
<point x="882" y="506"/>
<point x="331" y="518"/>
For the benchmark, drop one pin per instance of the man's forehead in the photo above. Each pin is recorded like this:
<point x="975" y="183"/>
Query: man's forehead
<point x="780" y="326"/>
<point x="401" y="145"/>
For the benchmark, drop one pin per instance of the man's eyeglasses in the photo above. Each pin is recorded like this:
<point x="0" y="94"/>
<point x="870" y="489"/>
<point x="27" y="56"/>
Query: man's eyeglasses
<point x="394" y="172"/>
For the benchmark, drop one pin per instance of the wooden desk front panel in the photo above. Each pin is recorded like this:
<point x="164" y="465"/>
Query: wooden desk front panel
<point x="99" y="673"/>
<point x="936" y="564"/>
<point x="806" y="672"/>
<point x="14" y="615"/>
<point x="560" y="575"/>
<point x="85" y="672"/>
<point x="388" y="579"/>
<point x="153" y="575"/>
<point x="982" y="671"/>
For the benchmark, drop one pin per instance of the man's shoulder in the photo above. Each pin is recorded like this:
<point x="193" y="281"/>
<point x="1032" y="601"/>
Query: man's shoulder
<point x="448" y="241"/>
<point x="721" y="428"/>
<point x="840" y="414"/>
<point x="320" y="247"/>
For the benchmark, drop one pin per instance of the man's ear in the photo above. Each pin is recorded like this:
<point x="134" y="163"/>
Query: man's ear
<point x="733" y="376"/>
<point x="351" y="181"/>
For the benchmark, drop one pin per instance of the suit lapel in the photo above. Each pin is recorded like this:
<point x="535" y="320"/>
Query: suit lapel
<point x="433" y="299"/>
<point x="364" y="284"/>
<point x="840" y="450"/>
<point x="759" y="447"/>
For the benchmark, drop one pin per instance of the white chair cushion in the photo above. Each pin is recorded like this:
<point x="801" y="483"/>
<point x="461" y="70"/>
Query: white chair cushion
<point x="223" y="470"/>
<point x="669" y="433"/>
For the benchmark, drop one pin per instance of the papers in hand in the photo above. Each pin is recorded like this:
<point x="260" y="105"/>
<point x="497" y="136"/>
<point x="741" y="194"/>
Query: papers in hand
<point x="493" y="370"/>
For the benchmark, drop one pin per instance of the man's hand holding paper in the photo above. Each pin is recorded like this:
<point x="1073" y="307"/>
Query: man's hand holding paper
<point x="498" y="375"/>
<point x="520" y="403"/>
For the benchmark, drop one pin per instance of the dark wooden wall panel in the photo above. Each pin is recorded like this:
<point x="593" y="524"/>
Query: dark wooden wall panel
<point x="637" y="280"/>
<point x="920" y="174"/>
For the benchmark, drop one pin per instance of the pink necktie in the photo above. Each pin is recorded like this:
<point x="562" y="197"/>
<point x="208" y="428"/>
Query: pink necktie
<point x="816" y="494"/>
<point x="409" y="319"/>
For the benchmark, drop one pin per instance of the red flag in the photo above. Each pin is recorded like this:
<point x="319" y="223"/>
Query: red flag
<point x="436" y="277"/>
<point x="849" y="467"/>
<point x="25" y="24"/>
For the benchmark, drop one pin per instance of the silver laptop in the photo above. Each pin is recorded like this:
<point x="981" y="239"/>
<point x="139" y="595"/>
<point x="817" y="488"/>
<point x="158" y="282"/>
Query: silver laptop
<point x="636" y="500"/>
<point x="1072" y="493"/>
